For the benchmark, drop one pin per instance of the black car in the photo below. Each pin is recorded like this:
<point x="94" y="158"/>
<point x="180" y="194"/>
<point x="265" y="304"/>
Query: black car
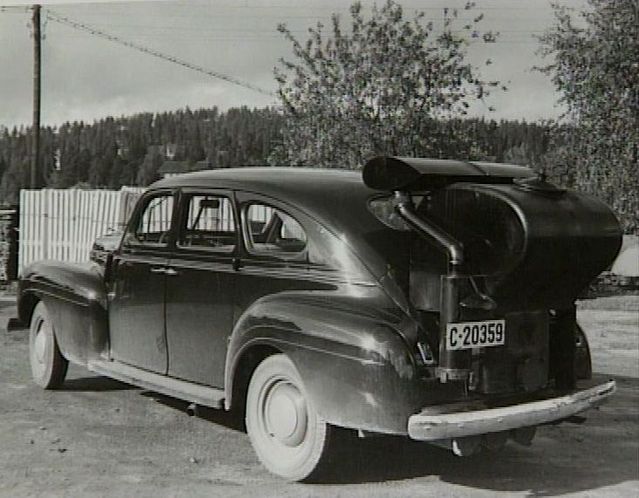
<point x="427" y="298"/>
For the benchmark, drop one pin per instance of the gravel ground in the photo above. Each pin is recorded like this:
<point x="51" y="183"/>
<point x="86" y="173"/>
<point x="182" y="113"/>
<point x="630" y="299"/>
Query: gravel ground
<point x="99" y="437"/>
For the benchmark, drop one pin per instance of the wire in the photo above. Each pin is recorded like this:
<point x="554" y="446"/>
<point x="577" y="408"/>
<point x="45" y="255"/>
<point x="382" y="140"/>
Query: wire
<point x="14" y="9"/>
<point x="50" y="15"/>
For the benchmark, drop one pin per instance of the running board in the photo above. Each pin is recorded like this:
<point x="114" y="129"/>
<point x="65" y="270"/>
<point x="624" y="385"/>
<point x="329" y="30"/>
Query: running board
<point x="195" y="393"/>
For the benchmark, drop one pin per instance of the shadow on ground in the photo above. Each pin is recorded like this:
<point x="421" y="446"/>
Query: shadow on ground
<point x="581" y="452"/>
<point x="563" y="459"/>
<point x="95" y="384"/>
<point x="230" y="420"/>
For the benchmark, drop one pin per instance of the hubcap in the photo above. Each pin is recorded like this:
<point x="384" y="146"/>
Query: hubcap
<point x="285" y="414"/>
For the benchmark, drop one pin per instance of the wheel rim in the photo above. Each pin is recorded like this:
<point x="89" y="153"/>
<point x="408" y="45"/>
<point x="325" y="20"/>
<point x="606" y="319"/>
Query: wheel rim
<point x="284" y="413"/>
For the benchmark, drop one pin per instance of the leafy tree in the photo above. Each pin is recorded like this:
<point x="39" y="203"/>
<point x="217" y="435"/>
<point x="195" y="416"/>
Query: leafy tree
<point x="595" y="66"/>
<point x="377" y="87"/>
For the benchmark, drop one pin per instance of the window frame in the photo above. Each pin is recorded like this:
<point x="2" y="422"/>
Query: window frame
<point x="186" y="194"/>
<point x="277" y="255"/>
<point x="129" y="240"/>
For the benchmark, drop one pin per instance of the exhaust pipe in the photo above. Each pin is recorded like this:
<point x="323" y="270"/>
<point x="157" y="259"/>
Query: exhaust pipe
<point x="493" y="441"/>
<point x="462" y="447"/>
<point x="192" y="410"/>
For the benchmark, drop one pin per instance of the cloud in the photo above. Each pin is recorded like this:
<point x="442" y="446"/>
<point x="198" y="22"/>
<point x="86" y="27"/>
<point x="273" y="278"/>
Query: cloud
<point x="86" y="77"/>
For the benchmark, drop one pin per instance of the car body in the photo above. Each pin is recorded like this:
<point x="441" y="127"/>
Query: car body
<point x="310" y="299"/>
<point x="105" y="245"/>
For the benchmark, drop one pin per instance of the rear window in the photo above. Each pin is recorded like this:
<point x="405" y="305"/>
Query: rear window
<point x="272" y="231"/>
<point x="384" y="211"/>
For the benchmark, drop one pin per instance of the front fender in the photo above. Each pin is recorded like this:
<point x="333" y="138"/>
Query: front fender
<point x="356" y="366"/>
<point x="75" y="296"/>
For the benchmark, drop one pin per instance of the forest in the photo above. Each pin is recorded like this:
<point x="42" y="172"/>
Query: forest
<point x="129" y="150"/>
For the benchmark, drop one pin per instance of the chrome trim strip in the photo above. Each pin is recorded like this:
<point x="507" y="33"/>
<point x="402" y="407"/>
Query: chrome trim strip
<point x="425" y="427"/>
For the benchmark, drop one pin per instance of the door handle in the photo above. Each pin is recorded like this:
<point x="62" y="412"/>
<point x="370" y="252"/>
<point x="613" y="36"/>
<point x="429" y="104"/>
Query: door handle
<point x="158" y="269"/>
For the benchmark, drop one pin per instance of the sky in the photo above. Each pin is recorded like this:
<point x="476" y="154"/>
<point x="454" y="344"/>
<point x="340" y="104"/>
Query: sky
<point x="85" y="77"/>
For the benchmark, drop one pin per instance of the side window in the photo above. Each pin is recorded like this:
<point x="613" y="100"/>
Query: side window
<point x="208" y="223"/>
<point x="153" y="226"/>
<point x="271" y="230"/>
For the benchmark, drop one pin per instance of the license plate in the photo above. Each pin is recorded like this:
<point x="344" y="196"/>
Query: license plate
<point x="468" y="335"/>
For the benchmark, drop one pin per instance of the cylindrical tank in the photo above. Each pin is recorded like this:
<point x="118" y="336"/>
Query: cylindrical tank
<point x="537" y="246"/>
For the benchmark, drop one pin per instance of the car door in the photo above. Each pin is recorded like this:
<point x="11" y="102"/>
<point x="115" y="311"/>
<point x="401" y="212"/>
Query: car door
<point x="199" y="298"/>
<point x="275" y="250"/>
<point x="136" y="298"/>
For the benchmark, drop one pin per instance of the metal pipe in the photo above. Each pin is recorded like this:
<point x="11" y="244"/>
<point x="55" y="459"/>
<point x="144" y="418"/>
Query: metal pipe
<point x="430" y="231"/>
<point x="453" y="365"/>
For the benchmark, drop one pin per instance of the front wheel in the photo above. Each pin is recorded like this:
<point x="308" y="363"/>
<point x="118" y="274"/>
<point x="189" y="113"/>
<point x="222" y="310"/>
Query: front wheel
<point x="48" y="366"/>
<point x="288" y="435"/>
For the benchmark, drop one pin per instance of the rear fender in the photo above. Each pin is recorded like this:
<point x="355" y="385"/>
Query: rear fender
<point x="76" y="300"/>
<point x="355" y="364"/>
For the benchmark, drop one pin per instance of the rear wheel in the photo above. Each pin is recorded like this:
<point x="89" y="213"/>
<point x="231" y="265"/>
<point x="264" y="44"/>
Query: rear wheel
<point x="48" y="366"/>
<point x="288" y="435"/>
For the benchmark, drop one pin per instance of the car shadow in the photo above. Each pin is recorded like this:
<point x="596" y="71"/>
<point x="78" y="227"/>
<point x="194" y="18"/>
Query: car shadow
<point x="563" y="459"/>
<point x="229" y="419"/>
<point x="96" y="383"/>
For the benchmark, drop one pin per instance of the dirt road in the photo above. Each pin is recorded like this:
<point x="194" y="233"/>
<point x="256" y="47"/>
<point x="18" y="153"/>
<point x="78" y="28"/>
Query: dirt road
<point x="98" y="437"/>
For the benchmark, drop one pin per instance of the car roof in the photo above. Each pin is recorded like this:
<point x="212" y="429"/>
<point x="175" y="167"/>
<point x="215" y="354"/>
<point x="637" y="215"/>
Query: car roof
<point x="267" y="180"/>
<point x="331" y="195"/>
<point x="336" y="198"/>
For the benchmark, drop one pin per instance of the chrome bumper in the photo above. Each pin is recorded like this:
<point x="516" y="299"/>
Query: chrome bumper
<point x="432" y="427"/>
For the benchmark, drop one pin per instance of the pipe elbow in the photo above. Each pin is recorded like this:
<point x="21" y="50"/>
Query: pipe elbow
<point x="454" y="248"/>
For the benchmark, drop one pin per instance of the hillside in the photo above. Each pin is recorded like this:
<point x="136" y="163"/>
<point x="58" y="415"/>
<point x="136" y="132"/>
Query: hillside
<point x="129" y="150"/>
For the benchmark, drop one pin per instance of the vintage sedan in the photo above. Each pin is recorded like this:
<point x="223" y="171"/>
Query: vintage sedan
<point x="428" y="298"/>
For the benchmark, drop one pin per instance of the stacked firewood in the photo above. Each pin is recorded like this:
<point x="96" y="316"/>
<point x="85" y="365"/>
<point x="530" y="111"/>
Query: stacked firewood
<point x="8" y="245"/>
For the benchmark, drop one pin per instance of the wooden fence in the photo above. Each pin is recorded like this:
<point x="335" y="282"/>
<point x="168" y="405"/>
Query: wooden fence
<point x="62" y="224"/>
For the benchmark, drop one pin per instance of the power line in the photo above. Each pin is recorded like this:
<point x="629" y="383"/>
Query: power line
<point x="263" y="30"/>
<point x="50" y="15"/>
<point x="11" y="9"/>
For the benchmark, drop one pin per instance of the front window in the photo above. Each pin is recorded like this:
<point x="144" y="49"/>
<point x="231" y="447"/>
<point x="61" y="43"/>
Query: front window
<point x="154" y="224"/>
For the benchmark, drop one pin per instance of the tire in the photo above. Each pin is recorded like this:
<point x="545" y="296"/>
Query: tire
<point x="583" y="361"/>
<point x="289" y="437"/>
<point x="48" y="366"/>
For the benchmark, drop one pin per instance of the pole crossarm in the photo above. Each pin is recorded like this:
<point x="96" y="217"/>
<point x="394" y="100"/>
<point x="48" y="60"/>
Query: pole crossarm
<point x="53" y="16"/>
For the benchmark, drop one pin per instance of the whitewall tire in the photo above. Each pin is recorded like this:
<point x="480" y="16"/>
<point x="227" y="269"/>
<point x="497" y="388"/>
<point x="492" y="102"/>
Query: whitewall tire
<point x="288" y="435"/>
<point x="48" y="366"/>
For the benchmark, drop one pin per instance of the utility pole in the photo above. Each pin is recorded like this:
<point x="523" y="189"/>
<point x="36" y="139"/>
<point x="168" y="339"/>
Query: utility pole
<point x="35" y="130"/>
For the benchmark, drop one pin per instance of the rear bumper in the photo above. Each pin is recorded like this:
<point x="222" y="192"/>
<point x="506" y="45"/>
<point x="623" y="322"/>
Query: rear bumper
<point x="427" y="426"/>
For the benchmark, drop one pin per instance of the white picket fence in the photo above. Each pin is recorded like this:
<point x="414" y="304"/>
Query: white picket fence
<point x="62" y="224"/>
